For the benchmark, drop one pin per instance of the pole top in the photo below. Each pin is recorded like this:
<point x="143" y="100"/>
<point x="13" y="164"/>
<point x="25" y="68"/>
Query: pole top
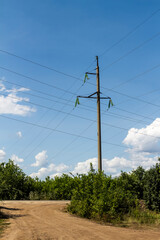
<point x="97" y="60"/>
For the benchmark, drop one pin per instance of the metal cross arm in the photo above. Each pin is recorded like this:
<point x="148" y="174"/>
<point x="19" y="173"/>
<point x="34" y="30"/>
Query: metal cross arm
<point x="91" y="96"/>
<point x="90" y="73"/>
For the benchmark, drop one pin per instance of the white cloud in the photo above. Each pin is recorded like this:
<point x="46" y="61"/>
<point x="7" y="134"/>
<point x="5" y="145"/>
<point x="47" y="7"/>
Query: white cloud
<point x="15" y="90"/>
<point x="109" y="166"/>
<point x="10" y="103"/>
<point x="52" y="170"/>
<point x="145" y="139"/>
<point x="2" y="155"/>
<point x="61" y="168"/>
<point x="55" y="175"/>
<point x="16" y="159"/>
<point x="143" y="152"/>
<point x="112" y="166"/>
<point x="84" y="167"/>
<point x="41" y="159"/>
<point x="117" y="164"/>
<point x="143" y="159"/>
<point x="42" y="172"/>
<point x="19" y="134"/>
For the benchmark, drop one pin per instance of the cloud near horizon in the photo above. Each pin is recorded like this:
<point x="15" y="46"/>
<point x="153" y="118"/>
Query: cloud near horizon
<point x="144" y="152"/>
<point x="52" y="170"/>
<point x="16" y="159"/>
<point x="2" y="155"/>
<point x="41" y="159"/>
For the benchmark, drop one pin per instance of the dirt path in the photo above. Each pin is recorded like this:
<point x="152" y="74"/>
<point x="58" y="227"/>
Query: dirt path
<point x="45" y="220"/>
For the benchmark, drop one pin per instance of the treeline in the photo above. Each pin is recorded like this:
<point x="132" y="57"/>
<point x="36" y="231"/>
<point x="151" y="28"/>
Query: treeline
<point x="92" y="195"/>
<point x="16" y="185"/>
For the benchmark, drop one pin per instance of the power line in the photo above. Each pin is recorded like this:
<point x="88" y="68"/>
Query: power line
<point x="33" y="79"/>
<point x="53" y="109"/>
<point x="49" y="69"/>
<point x="125" y="129"/>
<point x="37" y="125"/>
<point x="149" y="70"/>
<point x="85" y="107"/>
<point x="56" y="126"/>
<point x="108" y="49"/>
<point x="36" y="80"/>
<point x="74" y="115"/>
<point x="76" y="137"/>
<point x="131" y="51"/>
<point x="140" y="115"/>
<point x="103" y="87"/>
<point x="109" y="125"/>
<point x="138" y="75"/>
<point x="131" y="97"/>
<point x="47" y="94"/>
<point x="137" y="123"/>
<point x="107" y="89"/>
<point x="31" y="89"/>
<point x="75" y="156"/>
<point x="130" y="32"/>
<point x="75" y="93"/>
<point x="40" y="65"/>
<point x="42" y="83"/>
<point x="73" y="141"/>
<point x="59" y="131"/>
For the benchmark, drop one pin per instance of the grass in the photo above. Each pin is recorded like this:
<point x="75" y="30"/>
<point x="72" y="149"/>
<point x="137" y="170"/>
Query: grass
<point x="3" y="225"/>
<point x="137" y="218"/>
<point x="3" y="222"/>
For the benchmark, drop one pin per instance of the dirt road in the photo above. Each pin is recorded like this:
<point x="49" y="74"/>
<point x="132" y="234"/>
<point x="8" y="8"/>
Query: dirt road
<point x="45" y="220"/>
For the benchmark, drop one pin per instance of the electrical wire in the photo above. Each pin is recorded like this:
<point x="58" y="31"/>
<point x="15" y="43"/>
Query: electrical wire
<point x="138" y="75"/>
<point x="36" y="80"/>
<point x="39" y="64"/>
<point x="84" y="118"/>
<point x="85" y="107"/>
<point x="109" y="89"/>
<point x="130" y="32"/>
<point x="131" y="97"/>
<point x="131" y="51"/>
<point x="59" y="131"/>
<point x="73" y="115"/>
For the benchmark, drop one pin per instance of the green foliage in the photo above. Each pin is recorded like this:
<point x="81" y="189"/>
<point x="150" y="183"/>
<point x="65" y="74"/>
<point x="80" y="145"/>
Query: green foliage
<point x="14" y="183"/>
<point x="98" y="196"/>
<point x="101" y="197"/>
<point x="93" y="195"/>
<point x="152" y="188"/>
<point x="144" y="217"/>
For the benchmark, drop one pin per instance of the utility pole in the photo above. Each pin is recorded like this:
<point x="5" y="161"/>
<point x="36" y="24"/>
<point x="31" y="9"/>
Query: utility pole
<point x="98" y="97"/>
<point x="98" y="118"/>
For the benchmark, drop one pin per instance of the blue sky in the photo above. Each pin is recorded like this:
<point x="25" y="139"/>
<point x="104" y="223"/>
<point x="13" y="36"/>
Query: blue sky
<point x="66" y="36"/>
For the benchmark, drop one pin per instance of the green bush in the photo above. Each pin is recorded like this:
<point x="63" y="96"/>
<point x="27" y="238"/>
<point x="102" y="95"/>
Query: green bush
<point x="93" y="195"/>
<point x="101" y="197"/>
<point x="152" y="188"/>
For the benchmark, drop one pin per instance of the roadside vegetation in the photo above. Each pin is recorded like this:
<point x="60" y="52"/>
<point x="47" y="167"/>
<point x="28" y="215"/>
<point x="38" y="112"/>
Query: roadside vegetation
<point x="131" y="198"/>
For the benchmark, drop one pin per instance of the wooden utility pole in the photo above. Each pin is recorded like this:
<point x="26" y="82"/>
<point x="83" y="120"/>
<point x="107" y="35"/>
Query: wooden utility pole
<point x="98" y="97"/>
<point x="98" y="118"/>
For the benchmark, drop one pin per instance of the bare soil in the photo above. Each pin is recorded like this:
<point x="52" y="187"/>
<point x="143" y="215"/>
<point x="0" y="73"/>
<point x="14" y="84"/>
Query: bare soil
<point x="46" y="220"/>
